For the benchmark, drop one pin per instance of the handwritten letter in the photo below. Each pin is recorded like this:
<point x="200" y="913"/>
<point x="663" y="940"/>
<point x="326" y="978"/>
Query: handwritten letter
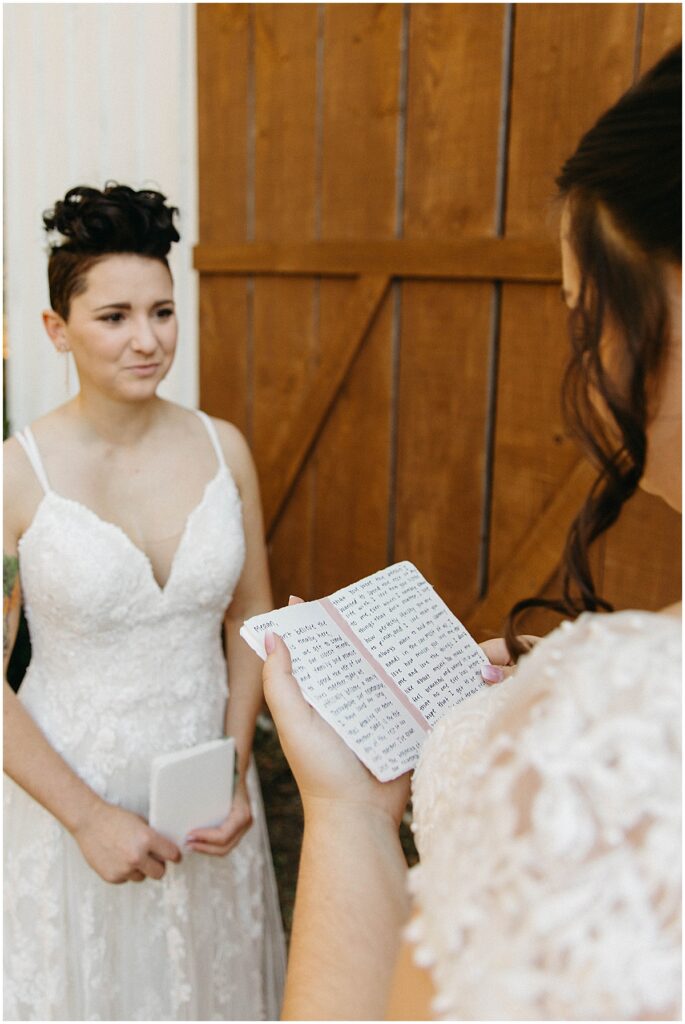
<point x="380" y="660"/>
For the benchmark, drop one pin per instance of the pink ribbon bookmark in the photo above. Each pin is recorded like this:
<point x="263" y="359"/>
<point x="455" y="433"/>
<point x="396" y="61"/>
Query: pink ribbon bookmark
<point x="345" y="628"/>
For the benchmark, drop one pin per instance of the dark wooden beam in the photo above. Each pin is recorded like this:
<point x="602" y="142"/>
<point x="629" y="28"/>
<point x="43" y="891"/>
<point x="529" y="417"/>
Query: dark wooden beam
<point x="505" y="259"/>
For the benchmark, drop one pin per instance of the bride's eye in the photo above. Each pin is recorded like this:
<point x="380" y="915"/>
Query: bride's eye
<point x="112" y="318"/>
<point x="164" y="314"/>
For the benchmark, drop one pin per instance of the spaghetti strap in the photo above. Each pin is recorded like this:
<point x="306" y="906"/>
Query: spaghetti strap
<point x="211" y="430"/>
<point x="28" y="443"/>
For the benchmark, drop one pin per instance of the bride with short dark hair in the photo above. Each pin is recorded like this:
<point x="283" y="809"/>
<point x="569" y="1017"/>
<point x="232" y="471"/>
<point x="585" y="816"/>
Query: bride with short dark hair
<point x="132" y="533"/>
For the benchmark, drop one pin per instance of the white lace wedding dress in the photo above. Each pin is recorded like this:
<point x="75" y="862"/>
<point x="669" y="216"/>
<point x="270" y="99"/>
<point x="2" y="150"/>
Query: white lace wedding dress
<point x="122" y="670"/>
<point x="548" y="820"/>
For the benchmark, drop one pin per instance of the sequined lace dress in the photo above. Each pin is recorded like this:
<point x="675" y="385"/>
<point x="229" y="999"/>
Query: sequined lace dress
<point x="548" y="817"/>
<point x="121" y="671"/>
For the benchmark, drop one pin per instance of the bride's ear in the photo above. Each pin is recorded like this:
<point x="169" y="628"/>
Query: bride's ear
<point x="56" y="330"/>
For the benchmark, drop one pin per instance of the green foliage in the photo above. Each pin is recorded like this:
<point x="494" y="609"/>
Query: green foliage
<point x="10" y="569"/>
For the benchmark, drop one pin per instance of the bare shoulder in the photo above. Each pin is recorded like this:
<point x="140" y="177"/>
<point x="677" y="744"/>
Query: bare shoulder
<point x="242" y="468"/>
<point x="17" y="471"/>
<point x="231" y="438"/>
<point x="21" y="490"/>
<point x="14" y="460"/>
<point x="55" y="429"/>
<point x="236" y="451"/>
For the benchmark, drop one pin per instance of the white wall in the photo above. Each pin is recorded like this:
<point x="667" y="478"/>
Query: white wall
<point x="92" y="92"/>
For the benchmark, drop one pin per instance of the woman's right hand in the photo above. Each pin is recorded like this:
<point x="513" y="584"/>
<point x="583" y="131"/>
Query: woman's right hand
<point x="121" y="847"/>
<point x="327" y="772"/>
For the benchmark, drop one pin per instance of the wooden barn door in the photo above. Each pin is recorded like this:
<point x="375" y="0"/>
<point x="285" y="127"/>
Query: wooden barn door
<point x="379" y="283"/>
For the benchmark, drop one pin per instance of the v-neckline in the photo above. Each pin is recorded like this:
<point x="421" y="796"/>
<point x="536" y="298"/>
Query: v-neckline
<point x="161" y="589"/>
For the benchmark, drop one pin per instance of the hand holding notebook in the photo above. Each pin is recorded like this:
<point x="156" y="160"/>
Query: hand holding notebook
<point x="381" y="661"/>
<point x="192" y="788"/>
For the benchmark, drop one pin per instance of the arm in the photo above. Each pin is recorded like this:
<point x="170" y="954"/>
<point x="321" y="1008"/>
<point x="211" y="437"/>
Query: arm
<point x="411" y="992"/>
<point x="349" y="911"/>
<point x="351" y="894"/>
<point x="251" y="597"/>
<point x="117" y="844"/>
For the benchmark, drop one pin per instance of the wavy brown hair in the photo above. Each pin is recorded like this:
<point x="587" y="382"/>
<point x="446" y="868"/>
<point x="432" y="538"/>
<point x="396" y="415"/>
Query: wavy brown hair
<point x="623" y="192"/>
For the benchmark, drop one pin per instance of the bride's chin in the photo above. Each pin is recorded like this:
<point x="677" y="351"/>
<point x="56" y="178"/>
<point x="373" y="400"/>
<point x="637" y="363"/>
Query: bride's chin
<point x="145" y="387"/>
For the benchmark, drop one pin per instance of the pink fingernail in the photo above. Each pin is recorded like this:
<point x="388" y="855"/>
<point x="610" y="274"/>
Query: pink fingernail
<point x="492" y="673"/>
<point x="269" y="642"/>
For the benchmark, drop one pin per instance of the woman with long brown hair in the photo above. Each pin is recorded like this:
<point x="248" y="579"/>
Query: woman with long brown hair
<point x="547" y="809"/>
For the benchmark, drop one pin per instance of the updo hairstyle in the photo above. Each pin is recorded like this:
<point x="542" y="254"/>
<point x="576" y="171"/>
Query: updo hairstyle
<point x="95" y="224"/>
<point x="623" y="190"/>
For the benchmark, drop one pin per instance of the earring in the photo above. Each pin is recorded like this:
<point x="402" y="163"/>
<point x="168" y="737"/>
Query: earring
<point x="64" y="351"/>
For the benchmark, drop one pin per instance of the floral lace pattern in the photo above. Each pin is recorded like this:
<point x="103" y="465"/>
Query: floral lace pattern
<point x="123" y="670"/>
<point x="547" y="814"/>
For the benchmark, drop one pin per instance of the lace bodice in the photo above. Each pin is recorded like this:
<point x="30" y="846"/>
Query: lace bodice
<point x="115" y="657"/>
<point x="547" y="814"/>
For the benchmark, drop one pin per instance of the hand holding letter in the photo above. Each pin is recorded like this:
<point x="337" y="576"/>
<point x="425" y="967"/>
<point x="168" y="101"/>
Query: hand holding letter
<point x="325" y="768"/>
<point x="500" y="665"/>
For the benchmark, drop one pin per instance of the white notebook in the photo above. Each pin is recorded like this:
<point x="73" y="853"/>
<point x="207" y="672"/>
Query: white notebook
<point x="192" y="788"/>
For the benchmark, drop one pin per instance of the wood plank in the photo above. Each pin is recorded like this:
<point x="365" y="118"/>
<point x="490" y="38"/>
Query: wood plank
<point x="360" y="120"/>
<point x="361" y="80"/>
<point x="441" y="446"/>
<point x="535" y="559"/>
<point x="455" y="76"/>
<point x="662" y="28"/>
<point x="571" y="61"/>
<point x="533" y="453"/>
<point x="453" y="126"/>
<point x="222" y="42"/>
<point x="294" y="438"/>
<point x="223" y="352"/>
<point x="507" y="259"/>
<point x="284" y="338"/>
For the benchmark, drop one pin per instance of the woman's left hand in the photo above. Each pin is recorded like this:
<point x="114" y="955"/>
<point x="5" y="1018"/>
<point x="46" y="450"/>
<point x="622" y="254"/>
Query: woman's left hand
<point x="500" y="663"/>
<point x="219" y="841"/>
<point x="327" y="772"/>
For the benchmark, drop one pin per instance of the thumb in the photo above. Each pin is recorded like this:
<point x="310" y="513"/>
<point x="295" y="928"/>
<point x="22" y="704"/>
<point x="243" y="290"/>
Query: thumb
<point x="281" y="689"/>
<point x="496" y="673"/>
<point x="277" y="673"/>
<point x="278" y="655"/>
<point x="164" y="848"/>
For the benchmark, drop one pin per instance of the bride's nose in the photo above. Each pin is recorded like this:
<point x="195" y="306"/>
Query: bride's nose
<point x="143" y="336"/>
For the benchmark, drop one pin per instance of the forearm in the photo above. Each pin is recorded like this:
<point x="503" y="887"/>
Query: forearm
<point x="35" y="765"/>
<point x="350" y="907"/>
<point x="245" y="693"/>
